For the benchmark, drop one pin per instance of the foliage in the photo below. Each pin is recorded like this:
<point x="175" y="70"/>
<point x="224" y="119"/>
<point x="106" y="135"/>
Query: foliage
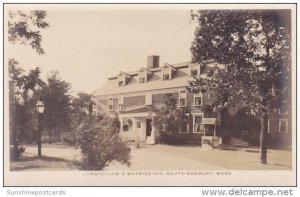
<point x="251" y="53"/>
<point x="24" y="28"/>
<point x="22" y="90"/>
<point x="56" y="116"/>
<point x="100" y="143"/>
<point x="169" y="118"/>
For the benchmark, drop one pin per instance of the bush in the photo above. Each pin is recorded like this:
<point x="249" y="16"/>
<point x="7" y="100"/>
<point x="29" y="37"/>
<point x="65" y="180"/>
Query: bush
<point x="16" y="151"/>
<point x="100" y="143"/>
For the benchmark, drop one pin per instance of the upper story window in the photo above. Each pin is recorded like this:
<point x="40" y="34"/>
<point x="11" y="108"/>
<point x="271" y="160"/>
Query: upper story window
<point x="142" y="80"/>
<point x="110" y="104"/>
<point x="282" y="108"/>
<point x="123" y="78"/>
<point x="121" y="103"/>
<point x="166" y="76"/>
<point x="182" y="98"/>
<point x="283" y="126"/>
<point x="194" y="69"/>
<point x="144" y="75"/>
<point x="198" y="99"/>
<point x="167" y="71"/>
<point x="121" y="83"/>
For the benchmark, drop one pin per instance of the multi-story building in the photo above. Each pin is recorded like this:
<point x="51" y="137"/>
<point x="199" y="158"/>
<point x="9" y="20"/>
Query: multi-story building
<point x="136" y="96"/>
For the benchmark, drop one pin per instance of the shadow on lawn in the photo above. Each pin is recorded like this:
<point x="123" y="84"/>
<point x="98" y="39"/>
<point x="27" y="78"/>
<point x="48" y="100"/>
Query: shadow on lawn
<point x="40" y="163"/>
<point x="43" y="158"/>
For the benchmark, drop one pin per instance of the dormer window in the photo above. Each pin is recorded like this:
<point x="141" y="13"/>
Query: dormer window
<point x="194" y="70"/>
<point x="142" y="80"/>
<point x="166" y="76"/>
<point x="123" y="78"/>
<point x="121" y="83"/>
<point x="167" y="71"/>
<point x="144" y="75"/>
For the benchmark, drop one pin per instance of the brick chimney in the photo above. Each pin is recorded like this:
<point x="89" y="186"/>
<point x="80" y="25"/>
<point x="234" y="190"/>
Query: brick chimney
<point x="152" y="61"/>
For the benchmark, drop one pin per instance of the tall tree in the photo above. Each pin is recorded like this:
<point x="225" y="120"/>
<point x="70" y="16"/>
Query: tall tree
<point x="21" y="93"/>
<point x="23" y="28"/>
<point x="251" y="53"/>
<point x="56" y="100"/>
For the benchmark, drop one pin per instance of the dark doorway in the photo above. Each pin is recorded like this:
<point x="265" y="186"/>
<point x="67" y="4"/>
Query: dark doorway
<point x="148" y="127"/>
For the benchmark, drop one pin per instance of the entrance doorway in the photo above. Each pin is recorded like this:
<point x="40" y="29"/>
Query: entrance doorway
<point x="148" y="127"/>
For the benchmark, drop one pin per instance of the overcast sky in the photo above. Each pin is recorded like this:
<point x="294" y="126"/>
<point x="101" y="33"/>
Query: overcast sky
<point x="87" y="47"/>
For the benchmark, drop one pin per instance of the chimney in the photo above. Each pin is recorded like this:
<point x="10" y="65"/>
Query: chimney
<point x="152" y="61"/>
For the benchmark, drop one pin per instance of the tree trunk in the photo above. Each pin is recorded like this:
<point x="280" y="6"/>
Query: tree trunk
<point x="264" y="138"/>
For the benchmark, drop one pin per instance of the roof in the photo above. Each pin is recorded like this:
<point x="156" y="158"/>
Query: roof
<point x="140" y="110"/>
<point x="209" y="121"/>
<point x="111" y="87"/>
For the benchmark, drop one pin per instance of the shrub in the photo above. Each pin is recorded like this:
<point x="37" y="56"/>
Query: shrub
<point x="100" y="143"/>
<point x="16" y="151"/>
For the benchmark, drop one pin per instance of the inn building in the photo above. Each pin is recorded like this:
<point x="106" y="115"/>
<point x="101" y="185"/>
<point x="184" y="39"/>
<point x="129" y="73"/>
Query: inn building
<point x="135" y="97"/>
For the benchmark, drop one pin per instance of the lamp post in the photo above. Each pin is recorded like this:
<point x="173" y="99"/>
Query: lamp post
<point x="40" y="110"/>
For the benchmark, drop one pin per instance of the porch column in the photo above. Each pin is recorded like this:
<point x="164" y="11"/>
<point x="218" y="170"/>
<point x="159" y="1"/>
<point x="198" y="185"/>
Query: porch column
<point x="215" y="126"/>
<point x="136" y="135"/>
<point x="121" y="125"/>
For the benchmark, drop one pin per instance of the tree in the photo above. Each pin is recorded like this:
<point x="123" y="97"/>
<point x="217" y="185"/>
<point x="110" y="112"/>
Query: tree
<point x="78" y="113"/>
<point x="100" y="143"/>
<point x="57" y="112"/>
<point x="24" y="28"/>
<point x="22" y="89"/>
<point x="251" y="53"/>
<point x="169" y="118"/>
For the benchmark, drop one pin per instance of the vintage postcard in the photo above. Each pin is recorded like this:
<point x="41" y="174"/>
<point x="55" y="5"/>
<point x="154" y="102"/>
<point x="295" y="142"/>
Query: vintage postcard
<point x="149" y="94"/>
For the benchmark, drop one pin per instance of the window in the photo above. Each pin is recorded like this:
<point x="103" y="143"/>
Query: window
<point x="110" y="104"/>
<point x="182" y="98"/>
<point x="166" y="76"/>
<point x="198" y="126"/>
<point x="142" y="80"/>
<point x="283" y="126"/>
<point x="198" y="99"/>
<point x="194" y="72"/>
<point x="282" y="108"/>
<point x="138" y="124"/>
<point x="184" y="128"/>
<point x="121" y="103"/>
<point x="121" y="83"/>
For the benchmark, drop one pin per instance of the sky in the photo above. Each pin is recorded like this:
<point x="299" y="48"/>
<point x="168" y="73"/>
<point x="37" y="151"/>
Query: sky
<point x="88" y="46"/>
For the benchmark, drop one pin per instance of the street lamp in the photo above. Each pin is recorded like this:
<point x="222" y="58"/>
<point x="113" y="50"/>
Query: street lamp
<point x="40" y="110"/>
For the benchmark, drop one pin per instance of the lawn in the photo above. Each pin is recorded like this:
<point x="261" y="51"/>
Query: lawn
<point x="160" y="157"/>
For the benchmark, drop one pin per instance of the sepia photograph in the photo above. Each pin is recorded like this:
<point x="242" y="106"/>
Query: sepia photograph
<point x="149" y="94"/>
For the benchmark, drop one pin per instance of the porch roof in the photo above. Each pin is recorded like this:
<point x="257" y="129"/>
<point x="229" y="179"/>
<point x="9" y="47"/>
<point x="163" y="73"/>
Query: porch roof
<point x="212" y="121"/>
<point x="140" y="110"/>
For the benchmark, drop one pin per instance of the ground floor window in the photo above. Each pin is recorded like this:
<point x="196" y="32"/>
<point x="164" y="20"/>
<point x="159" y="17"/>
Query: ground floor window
<point x="138" y="124"/>
<point x="283" y="126"/>
<point x="184" y="128"/>
<point x="198" y="126"/>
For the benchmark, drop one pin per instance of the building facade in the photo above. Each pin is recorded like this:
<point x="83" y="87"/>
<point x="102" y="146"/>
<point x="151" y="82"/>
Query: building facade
<point x="136" y="97"/>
